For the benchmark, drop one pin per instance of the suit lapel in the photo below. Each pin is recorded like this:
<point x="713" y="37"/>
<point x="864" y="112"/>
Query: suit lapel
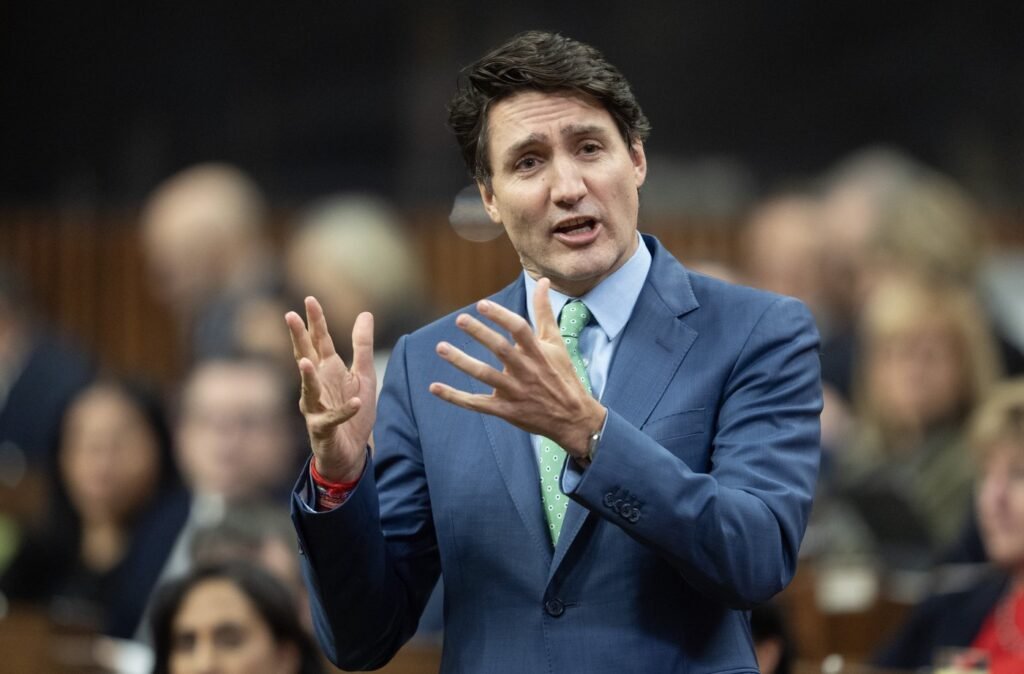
<point x="512" y="447"/>
<point x="653" y="345"/>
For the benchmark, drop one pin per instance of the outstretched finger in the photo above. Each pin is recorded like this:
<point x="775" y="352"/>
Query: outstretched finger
<point x="543" y="314"/>
<point x="319" y="334"/>
<point x="470" y="401"/>
<point x="495" y="342"/>
<point x="362" y="344"/>
<point x="517" y="326"/>
<point x="309" y="402"/>
<point x="302" y="347"/>
<point x="477" y="369"/>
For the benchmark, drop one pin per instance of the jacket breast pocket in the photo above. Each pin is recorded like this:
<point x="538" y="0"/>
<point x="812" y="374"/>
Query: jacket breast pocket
<point x="685" y="435"/>
<point x="677" y="425"/>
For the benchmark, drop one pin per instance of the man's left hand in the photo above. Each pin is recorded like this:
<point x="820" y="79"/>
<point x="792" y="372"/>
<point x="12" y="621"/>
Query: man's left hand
<point x="537" y="390"/>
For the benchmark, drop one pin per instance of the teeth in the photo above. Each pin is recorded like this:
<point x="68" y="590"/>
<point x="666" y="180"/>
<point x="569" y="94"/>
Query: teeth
<point x="584" y="225"/>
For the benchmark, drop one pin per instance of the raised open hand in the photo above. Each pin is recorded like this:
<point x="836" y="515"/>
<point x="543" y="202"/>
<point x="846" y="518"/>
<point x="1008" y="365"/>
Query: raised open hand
<point x="537" y="390"/>
<point x="338" y="403"/>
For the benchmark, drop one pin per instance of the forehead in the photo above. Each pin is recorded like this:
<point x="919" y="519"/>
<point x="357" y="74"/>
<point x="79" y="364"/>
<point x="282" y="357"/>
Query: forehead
<point x="101" y="400"/>
<point x="213" y="602"/>
<point x="543" y="114"/>
<point x="232" y="385"/>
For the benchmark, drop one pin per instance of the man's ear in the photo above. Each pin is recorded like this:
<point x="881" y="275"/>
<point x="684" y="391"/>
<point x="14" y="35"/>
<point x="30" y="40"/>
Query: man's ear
<point x="636" y="153"/>
<point x="487" y="197"/>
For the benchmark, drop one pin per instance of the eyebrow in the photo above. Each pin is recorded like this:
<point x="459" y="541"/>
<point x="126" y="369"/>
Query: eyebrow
<point x="570" y="131"/>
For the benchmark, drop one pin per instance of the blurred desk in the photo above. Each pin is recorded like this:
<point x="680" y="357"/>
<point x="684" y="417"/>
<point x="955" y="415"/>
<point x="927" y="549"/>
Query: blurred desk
<point x="853" y="632"/>
<point x="31" y="642"/>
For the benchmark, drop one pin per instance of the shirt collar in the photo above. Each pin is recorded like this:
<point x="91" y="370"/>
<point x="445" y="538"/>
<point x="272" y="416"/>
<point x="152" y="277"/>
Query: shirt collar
<point x="611" y="302"/>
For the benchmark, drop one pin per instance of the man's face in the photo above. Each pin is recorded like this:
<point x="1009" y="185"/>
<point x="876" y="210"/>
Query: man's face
<point x="233" y="438"/>
<point x="564" y="186"/>
<point x="183" y="241"/>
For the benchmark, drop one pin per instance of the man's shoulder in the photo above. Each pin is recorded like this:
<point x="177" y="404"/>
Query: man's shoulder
<point x="743" y="308"/>
<point x="711" y="290"/>
<point x="685" y="289"/>
<point x="717" y="299"/>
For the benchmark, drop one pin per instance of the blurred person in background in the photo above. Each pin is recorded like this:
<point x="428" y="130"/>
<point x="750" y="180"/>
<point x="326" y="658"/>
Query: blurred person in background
<point x="230" y="618"/>
<point x="782" y="250"/>
<point x="927" y="358"/>
<point x="987" y="613"/>
<point x="116" y="505"/>
<point x="855" y="195"/>
<point x="39" y="374"/>
<point x="885" y="214"/>
<point x="209" y="256"/>
<point x="353" y="253"/>
<point x="237" y="439"/>
<point x="236" y="429"/>
<point x="261" y="532"/>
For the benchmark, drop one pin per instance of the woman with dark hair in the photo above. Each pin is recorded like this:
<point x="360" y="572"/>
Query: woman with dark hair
<point x="231" y="617"/>
<point x="116" y="507"/>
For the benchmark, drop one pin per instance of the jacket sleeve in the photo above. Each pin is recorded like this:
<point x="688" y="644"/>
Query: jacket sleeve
<point x="734" y="531"/>
<point x="367" y="588"/>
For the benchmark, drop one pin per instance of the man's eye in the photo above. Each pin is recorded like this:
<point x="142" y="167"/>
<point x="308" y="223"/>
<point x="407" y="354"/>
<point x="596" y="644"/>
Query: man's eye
<point x="590" y="148"/>
<point x="526" y="164"/>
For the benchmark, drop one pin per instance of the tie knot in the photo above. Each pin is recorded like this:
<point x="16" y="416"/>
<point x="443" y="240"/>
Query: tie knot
<point x="575" y="317"/>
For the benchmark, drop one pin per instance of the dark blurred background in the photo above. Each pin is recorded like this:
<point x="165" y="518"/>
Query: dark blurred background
<point x="103" y="100"/>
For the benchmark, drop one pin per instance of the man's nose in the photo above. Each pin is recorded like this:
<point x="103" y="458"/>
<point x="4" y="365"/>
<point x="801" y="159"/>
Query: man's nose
<point x="567" y="184"/>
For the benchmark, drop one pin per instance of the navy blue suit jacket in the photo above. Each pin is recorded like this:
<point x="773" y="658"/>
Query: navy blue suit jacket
<point x="692" y="511"/>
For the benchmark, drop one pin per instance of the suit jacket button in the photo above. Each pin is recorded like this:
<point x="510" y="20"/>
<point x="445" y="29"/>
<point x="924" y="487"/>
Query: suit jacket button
<point x="554" y="607"/>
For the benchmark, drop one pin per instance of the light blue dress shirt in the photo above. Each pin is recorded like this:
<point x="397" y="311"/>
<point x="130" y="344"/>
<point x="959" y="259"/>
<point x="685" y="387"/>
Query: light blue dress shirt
<point x="611" y="304"/>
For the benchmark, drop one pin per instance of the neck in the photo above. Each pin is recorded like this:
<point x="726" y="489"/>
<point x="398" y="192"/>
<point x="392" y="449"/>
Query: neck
<point x="103" y="545"/>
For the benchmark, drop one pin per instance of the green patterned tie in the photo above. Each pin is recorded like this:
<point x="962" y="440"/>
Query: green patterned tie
<point x="575" y="316"/>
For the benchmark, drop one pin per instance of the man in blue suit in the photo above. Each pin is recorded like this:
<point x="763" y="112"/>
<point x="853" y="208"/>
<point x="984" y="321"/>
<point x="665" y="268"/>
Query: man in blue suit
<point x="679" y="415"/>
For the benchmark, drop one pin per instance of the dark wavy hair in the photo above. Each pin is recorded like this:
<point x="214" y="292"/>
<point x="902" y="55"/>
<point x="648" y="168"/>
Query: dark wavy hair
<point x="537" y="61"/>
<point x="276" y="606"/>
<point x="145" y="400"/>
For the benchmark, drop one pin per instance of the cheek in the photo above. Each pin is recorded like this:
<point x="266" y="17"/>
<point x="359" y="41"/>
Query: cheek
<point x="258" y="656"/>
<point x="1015" y="504"/>
<point x="179" y="664"/>
<point x="887" y="381"/>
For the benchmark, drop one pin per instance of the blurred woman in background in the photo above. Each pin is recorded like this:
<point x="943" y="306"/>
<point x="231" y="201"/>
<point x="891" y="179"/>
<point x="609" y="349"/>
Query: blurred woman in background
<point x="116" y="506"/>
<point x="988" y="615"/>
<point x="232" y="618"/>
<point x="926" y="359"/>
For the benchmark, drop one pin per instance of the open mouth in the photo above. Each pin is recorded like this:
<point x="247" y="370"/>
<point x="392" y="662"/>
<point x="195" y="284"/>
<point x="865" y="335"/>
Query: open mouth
<point x="576" y="227"/>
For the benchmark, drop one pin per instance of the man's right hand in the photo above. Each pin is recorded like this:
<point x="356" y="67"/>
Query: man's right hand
<point x="338" y="403"/>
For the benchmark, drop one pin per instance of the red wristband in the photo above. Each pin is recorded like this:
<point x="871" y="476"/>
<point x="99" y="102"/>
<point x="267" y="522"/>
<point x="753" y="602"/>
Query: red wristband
<point x="330" y="494"/>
